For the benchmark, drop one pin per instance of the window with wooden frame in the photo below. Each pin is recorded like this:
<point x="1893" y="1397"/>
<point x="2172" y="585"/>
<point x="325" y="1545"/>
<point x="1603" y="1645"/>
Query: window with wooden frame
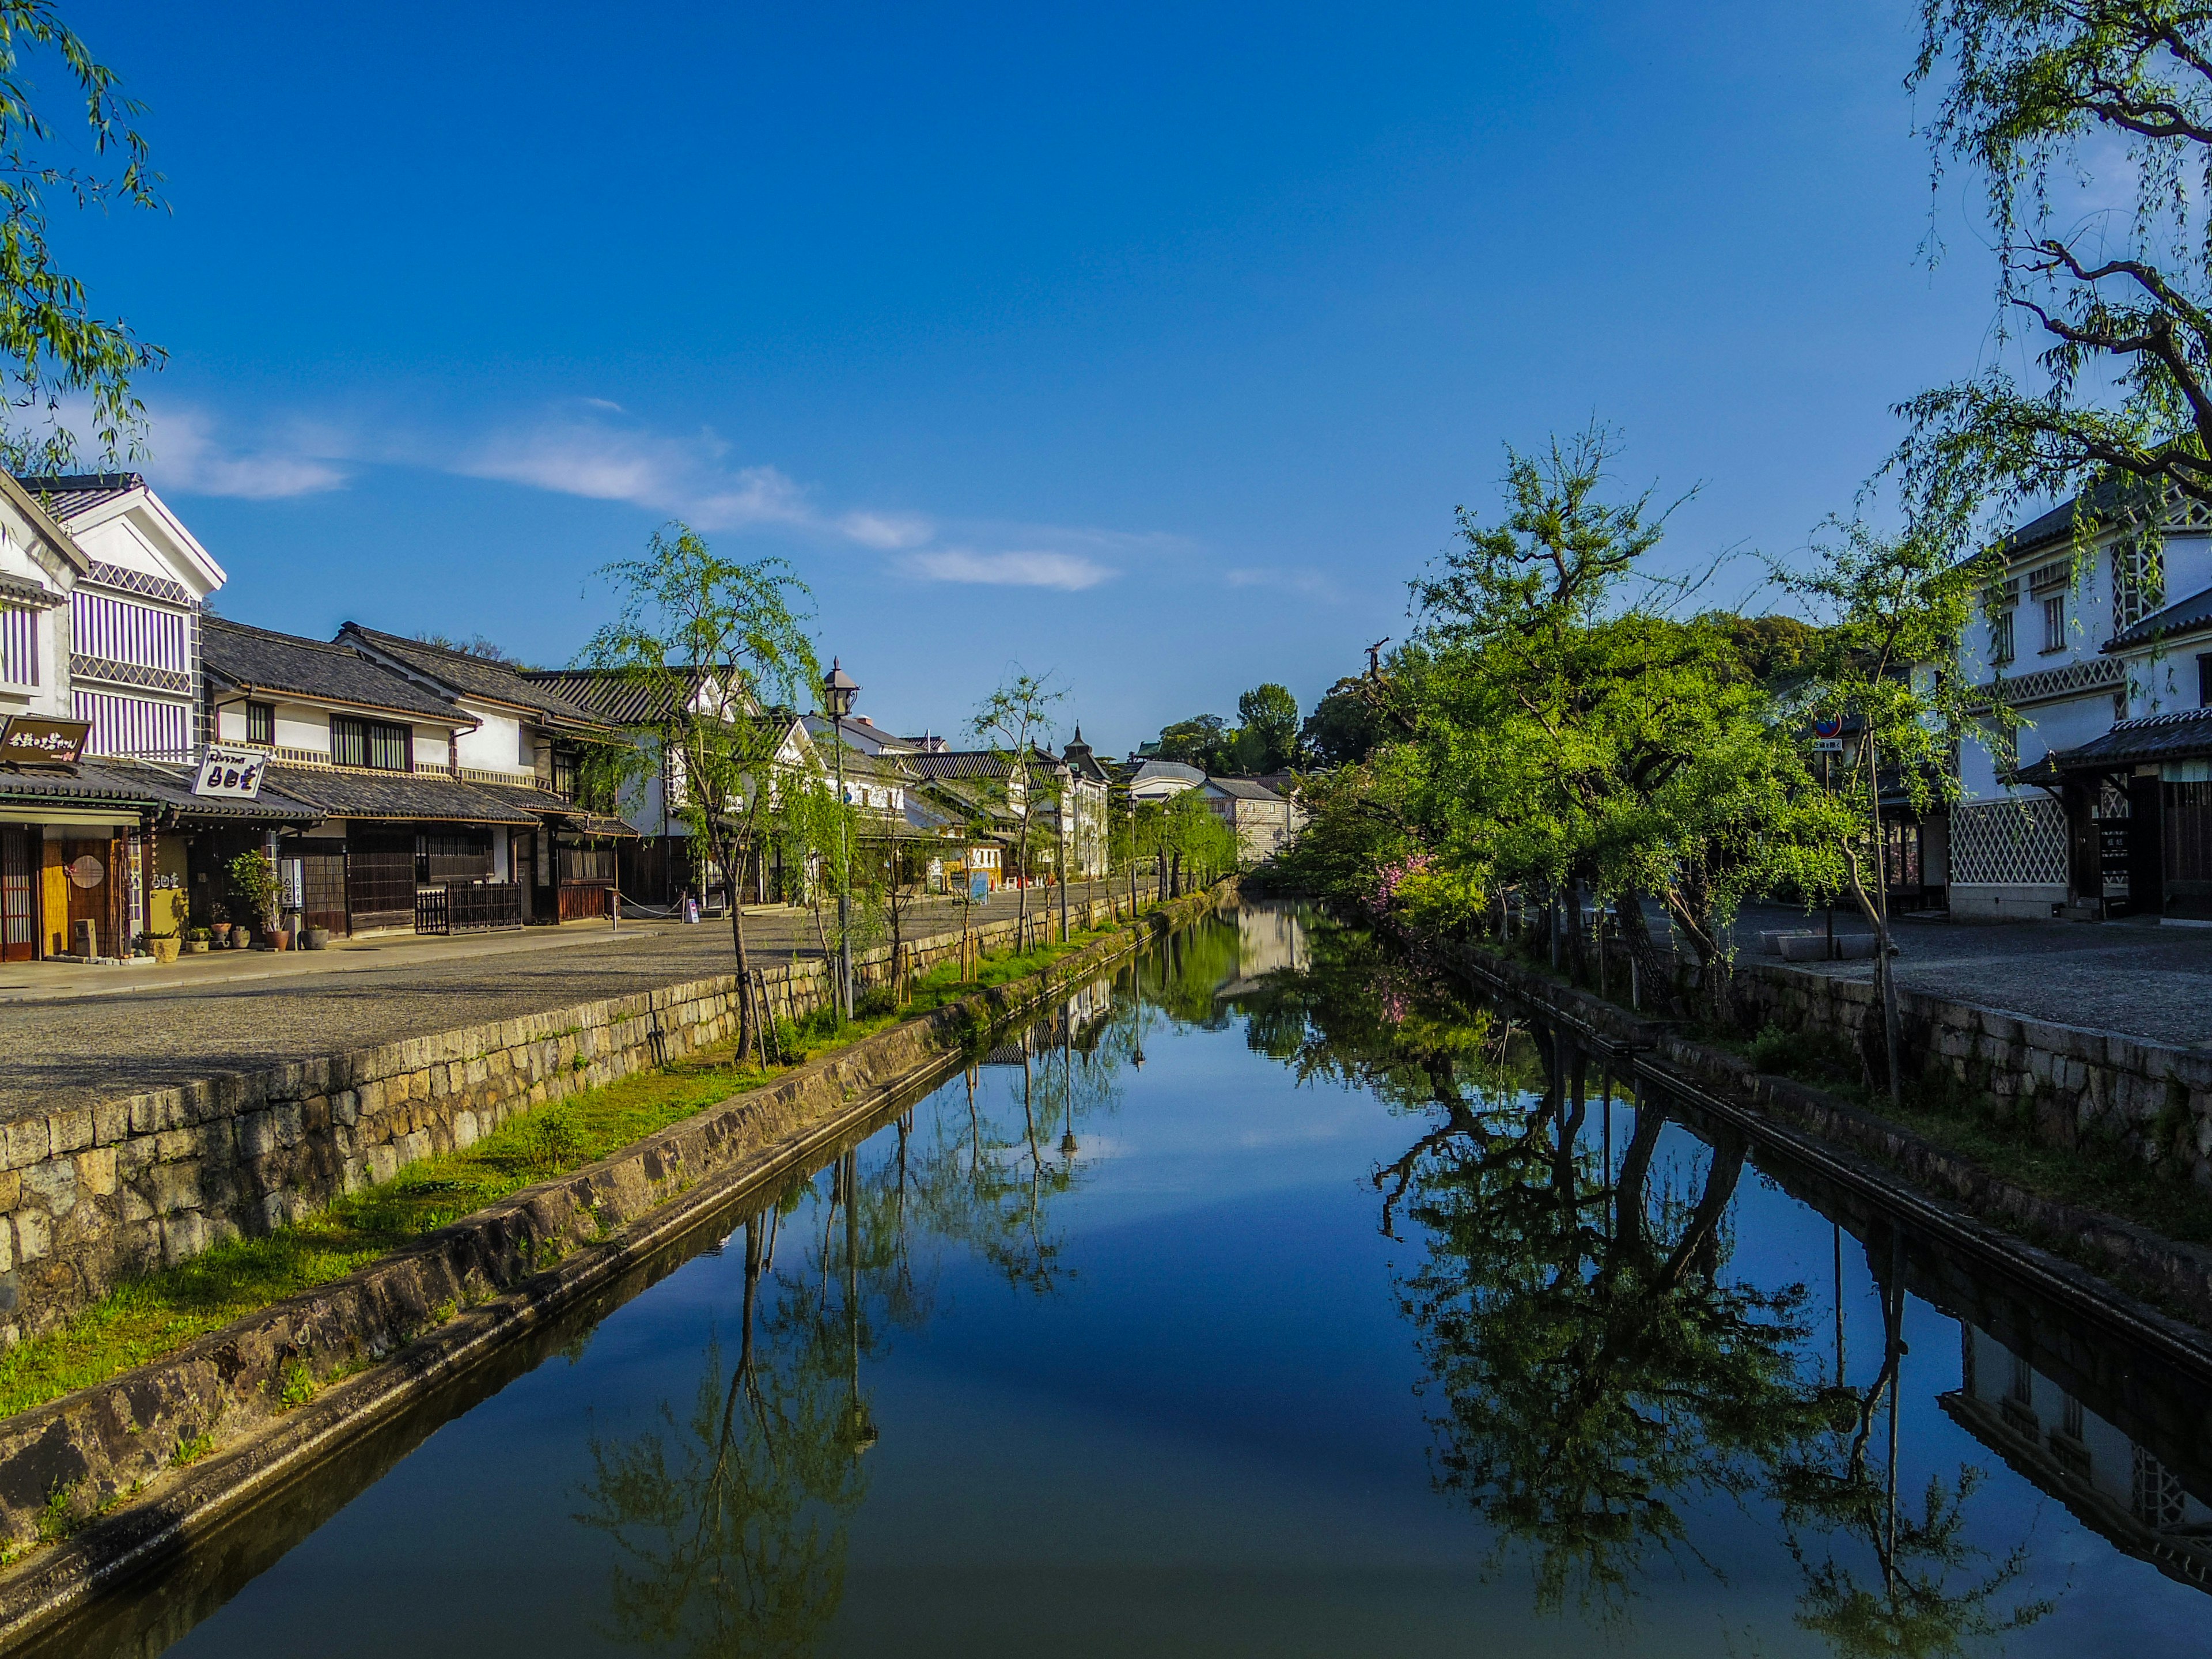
<point x="261" y="724"/>
<point x="2054" y="624"/>
<point x="2001" y="639"/>
<point x="371" y="744"/>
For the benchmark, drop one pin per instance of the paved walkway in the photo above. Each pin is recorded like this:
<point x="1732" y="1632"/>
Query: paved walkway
<point x="2133" y="975"/>
<point x="69" y="1034"/>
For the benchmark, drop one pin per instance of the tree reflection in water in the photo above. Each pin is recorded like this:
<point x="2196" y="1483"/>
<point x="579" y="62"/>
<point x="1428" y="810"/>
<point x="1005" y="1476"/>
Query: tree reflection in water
<point x="1599" y="1373"/>
<point x="729" y="1523"/>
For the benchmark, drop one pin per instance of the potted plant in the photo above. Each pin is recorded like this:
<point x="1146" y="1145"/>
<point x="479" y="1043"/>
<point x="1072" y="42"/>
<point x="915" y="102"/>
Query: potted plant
<point x="196" y="941"/>
<point x="240" y="936"/>
<point x="253" y="879"/>
<point x="164" y="946"/>
<point x="314" y="939"/>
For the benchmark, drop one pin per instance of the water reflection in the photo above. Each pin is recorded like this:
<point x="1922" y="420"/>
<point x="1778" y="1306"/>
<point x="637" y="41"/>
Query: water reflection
<point x="1603" y="1376"/>
<point x="1652" y="1372"/>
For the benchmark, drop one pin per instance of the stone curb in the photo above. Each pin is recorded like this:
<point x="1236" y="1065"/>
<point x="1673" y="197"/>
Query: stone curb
<point x="113" y="1437"/>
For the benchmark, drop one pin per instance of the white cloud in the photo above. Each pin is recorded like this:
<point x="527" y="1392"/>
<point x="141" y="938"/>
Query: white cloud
<point x="1070" y="572"/>
<point x="183" y="456"/>
<point x="589" y="447"/>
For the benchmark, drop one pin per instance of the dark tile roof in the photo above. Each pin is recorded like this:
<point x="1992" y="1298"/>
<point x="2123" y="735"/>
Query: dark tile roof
<point x="2180" y="617"/>
<point x="400" y="795"/>
<point x="72" y="494"/>
<point x="617" y="698"/>
<point x="171" y="786"/>
<point x="24" y="590"/>
<point x="1243" y="789"/>
<point x="89" y="780"/>
<point x="971" y="762"/>
<point x="257" y="660"/>
<point x="2183" y="735"/>
<point x="479" y="677"/>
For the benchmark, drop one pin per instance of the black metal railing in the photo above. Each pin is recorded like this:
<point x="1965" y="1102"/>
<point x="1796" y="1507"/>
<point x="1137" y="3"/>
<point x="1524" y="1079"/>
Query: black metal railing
<point x="467" y="907"/>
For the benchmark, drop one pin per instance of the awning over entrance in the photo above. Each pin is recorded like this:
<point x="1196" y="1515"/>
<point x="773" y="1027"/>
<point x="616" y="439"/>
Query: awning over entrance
<point x="2156" y="739"/>
<point x="171" y="789"/>
<point x="555" y="813"/>
<point x="87" y="793"/>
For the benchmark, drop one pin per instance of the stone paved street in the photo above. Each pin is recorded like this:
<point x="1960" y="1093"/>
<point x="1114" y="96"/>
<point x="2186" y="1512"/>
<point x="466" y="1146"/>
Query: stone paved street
<point x="2133" y="977"/>
<point x="138" y="1028"/>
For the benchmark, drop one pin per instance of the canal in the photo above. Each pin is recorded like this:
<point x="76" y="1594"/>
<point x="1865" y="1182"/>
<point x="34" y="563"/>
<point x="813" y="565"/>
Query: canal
<point x="1275" y="1298"/>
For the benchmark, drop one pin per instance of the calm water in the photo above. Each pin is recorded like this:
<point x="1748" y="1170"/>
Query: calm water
<point x="1270" y="1300"/>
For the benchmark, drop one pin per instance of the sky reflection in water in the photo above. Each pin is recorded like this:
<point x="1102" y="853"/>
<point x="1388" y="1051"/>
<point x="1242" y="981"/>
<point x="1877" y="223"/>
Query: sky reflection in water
<point x="1086" y="1357"/>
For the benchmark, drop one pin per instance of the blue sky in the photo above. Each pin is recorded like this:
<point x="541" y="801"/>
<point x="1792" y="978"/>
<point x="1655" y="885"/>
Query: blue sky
<point x="1153" y="348"/>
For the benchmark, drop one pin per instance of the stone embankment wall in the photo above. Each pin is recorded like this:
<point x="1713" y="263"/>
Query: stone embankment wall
<point x="2066" y="1086"/>
<point x="92" y="1196"/>
<point x="2180" y="1274"/>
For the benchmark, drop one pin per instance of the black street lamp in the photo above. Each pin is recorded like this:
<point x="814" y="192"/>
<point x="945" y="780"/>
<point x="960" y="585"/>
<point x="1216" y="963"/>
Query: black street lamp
<point x="839" y="690"/>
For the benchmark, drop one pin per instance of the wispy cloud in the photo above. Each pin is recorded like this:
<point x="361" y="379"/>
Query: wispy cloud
<point x="185" y="457"/>
<point x="1070" y="572"/>
<point x="591" y="448"/>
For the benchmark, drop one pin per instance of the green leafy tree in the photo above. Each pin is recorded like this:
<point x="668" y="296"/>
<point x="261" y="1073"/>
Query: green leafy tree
<point x="55" y="348"/>
<point x="721" y="650"/>
<point x="1269" y="740"/>
<point x="1349" y="724"/>
<point x="1203" y="741"/>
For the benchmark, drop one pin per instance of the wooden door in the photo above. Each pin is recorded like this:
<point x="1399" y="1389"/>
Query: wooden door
<point x="18" y="905"/>
<point x="88" y="877"/>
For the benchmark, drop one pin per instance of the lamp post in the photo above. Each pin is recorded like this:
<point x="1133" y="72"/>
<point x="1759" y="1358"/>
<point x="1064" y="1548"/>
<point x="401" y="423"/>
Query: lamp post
<point x="839" y="688"/>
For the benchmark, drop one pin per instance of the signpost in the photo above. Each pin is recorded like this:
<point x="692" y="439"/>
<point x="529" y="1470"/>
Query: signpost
<point x="39" y="740"/>
<point x="230" y="774"/>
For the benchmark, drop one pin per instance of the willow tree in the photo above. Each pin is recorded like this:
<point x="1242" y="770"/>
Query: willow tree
<point x="1012" y="723"/>
<point x="1895" y="609"/>
<point x="53" y="347"/>
<point x="719" y="651"/>
<point x="2087" y="126"/>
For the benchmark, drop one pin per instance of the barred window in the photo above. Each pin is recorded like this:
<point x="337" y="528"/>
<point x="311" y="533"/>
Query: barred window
<point x="2138" y="583"/>
<point x="371" y="744"/>
<point x="19" y="645"/>
<point x="261" y="723"/>
<point x="2001" y="638"/>
<point x="2054" y="624"/>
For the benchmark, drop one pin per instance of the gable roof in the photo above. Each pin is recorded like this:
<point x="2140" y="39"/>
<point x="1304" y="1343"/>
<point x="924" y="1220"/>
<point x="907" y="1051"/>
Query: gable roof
<point x="260" y="660"/>
<point x="87" y="501"/>
<point x="1149" y="771"/>
<point x="463" y="674"/>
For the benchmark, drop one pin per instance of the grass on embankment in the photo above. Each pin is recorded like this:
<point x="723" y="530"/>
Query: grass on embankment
<point x="143" y="1321"/>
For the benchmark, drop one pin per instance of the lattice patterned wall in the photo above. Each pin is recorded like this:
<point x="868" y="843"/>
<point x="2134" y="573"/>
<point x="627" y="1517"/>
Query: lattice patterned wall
<point x="2009" y="841"/>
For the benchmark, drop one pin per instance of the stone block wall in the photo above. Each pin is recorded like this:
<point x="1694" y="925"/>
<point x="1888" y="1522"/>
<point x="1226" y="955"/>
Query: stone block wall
<point x="92" y="1196"/>
<point x="2067" y="1086"/>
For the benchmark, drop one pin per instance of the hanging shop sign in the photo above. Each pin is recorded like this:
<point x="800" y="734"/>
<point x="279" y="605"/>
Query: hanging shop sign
<point x="38" y="740"/>
<point x="230" y="774"/>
